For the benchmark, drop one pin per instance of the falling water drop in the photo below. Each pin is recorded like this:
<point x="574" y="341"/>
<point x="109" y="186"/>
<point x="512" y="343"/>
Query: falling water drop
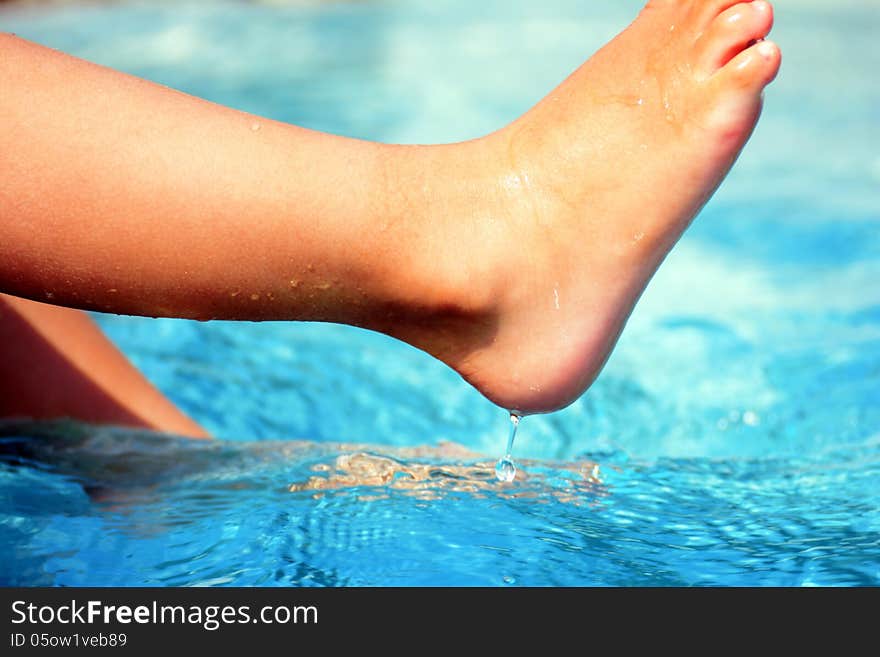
<point x="505" y="469"/>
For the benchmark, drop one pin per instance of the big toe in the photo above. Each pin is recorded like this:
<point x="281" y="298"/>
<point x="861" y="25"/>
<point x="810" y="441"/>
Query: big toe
<point x="731" y="32"/>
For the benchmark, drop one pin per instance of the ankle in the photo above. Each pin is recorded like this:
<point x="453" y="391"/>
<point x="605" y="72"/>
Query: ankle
<point x="447" y="280"/>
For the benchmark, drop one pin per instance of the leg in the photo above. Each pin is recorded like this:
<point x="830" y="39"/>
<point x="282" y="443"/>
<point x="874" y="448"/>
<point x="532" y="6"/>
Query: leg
<point x="54" y="362"/>
<point x="515" y="258"/>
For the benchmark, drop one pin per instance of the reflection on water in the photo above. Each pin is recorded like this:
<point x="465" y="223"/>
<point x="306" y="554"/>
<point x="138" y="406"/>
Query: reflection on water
<point x="112" y="462"/>
<point x="428" y="481"/>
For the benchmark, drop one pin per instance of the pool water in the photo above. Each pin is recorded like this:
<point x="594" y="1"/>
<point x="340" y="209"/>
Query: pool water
<point x="732" y="439"/>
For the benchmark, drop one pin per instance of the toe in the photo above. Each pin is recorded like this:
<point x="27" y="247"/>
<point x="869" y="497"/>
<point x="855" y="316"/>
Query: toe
<point x="738" y="84"/>
<point x="752" y="69"/>
<point x="703" y="12"/>
<point x="730" y="33"/>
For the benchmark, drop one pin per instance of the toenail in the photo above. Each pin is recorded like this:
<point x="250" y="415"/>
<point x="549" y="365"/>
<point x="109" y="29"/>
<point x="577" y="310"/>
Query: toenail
<point x="765" y="48"/>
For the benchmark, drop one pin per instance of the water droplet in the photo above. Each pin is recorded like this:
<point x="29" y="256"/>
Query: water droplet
<point x="507" y="579"/>
<point x="255" y="126"/>
<point x="505" y="470"/>
<point x="255" y="297"/>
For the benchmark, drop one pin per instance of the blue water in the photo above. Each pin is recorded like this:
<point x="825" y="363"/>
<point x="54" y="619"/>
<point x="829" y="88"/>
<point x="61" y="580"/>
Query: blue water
<point x="736" y="427"/>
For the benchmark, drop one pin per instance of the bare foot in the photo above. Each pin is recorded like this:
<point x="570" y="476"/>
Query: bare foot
<point x="515" y="259"/>
<point x="600" y="180"/>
